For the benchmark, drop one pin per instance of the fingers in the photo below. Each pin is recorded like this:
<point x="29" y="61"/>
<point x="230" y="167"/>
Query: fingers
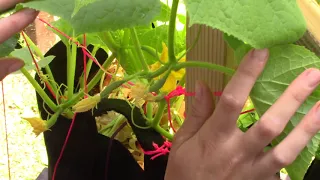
<point x="16" y="23"/>
<point x="201" y="110"/>
<point x="287" y="151"/>
<point x="6" y="4"/>
<point x="9" y="65"/>
<point x="276" y="118"/>
<point x="236" y="93"/>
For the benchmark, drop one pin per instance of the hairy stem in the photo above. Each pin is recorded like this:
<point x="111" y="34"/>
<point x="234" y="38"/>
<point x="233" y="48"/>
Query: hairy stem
<point x="216" y="67"/>
<point x="137" y="46"/>
<point x="163" y="132"/>
<point x="171" y="31"/>
<point x="107" y="38"/>
<point x="39" y="54"/>
<point x="91" y="84"/>
<point x="159" y="114"/>
<point x="71" y="65"/>
<point x="53" y="119"/>
<point x="89" y="65"/>
<point x="158" y="72"/>
<point x="149" y="111"/>
<point x="39" y="90"/>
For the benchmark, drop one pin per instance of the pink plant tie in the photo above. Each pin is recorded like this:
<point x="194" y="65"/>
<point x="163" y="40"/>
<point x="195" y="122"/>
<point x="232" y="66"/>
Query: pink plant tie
<point x="159" y="151"/>
<point x="178" y="92"/>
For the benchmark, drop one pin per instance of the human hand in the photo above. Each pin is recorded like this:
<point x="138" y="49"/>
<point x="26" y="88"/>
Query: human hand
<point x="10" y="26"/>
<point x="209" y="145"/>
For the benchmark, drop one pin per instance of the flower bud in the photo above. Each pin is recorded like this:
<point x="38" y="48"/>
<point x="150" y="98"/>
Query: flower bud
<point x="86" y="104"/>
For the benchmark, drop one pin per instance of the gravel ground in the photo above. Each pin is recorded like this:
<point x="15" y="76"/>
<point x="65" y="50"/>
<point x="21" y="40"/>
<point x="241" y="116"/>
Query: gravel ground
<point x="26" y="151"/>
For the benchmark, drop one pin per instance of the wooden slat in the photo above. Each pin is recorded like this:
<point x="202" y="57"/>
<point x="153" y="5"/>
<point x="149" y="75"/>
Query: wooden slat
<point x="210" y="48"/>
<point x="311" y="12"/>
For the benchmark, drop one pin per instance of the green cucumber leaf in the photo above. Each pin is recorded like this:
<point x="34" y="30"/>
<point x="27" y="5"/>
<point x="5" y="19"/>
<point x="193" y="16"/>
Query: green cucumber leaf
<point x="8" y="46"/>
<point x="285" y="63"/>
<point x="261" y="24"/>
<point x="164" y="15"/>
<point x="65" y="27"/>
<point x="101" y="15"/>
<point x="127" y="61"/>
<point x="79" y="4"/>
<point x="153" y="37"/>
<point x="233" y="42"/>
<point x="60" y="8"/>
<point x="114" y="14"/>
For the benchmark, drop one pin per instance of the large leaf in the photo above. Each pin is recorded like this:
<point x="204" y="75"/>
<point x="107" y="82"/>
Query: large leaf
<point x="260" y="23"/>
<point x="101" y="15"/>
<point x="61" y="8"/>
<point x="8" y="46"/>
<point x="153" y="37"/>
<point x="81" y="3"/>
<point x="286" y="62"/>
<point x="164" y="14"/>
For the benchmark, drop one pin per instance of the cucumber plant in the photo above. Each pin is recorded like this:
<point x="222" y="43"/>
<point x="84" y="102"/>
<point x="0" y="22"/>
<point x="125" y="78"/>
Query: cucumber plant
<point x="145" y="41"/>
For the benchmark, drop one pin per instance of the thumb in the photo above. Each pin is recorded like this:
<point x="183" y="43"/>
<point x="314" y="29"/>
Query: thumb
<point x="9" y="65"/>
<point x="201" y="109"/>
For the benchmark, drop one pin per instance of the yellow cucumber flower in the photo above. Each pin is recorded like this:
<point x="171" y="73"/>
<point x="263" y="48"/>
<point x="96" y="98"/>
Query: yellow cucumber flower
<point x="86" y="104"/>
<point x="171" y="82"/>
<point x="38" y="125"/>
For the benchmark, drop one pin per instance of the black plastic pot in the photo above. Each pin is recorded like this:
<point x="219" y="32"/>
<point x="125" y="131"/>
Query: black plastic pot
<point x="85" y="156"/>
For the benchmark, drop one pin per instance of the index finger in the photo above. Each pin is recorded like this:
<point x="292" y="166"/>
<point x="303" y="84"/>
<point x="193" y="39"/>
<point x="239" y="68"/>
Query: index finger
<point x="6" y="4"/>
<point x="16" y="23"/>
<point x="236" y="93"/>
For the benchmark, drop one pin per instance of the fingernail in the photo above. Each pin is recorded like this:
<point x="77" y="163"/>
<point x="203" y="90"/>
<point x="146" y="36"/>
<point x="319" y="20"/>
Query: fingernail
<point x="260" y="54"/>
<point x="313" y="77"/>
<point x="199" y="91"/>
<point x="30" y="11"/>
<point x="15" y="66"/>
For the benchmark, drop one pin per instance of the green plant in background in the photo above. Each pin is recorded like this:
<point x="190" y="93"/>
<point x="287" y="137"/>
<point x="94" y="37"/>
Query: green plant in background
<point x="123" y="29"/>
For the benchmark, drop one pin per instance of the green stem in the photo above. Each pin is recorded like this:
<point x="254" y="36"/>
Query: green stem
<point x="89" y="65"/>
<point x="207" y="65"/>
<point x="150" y="51"/>
<point x="71" y="65"/>
<point x="106" y="129"/>
<point x="33" y="46"/>
<point x="50" y="122"/>
<point x="39" y="54"/>
<point x="149" y="110"/>
<point x="171" y="31"/>
<point x="40" y="91"/>
<point x="178" y="119"/>
<point x="137" y="45"/>
<point x="109" y="41"/>
<point x="119" y="121"/>
<point x="159" y="114"/>
<point x="163" y="132"/>
<point x="131" y="56"/>
<point x="91" y="84"/>
<point x="158" y="72"/>
<point x="193" y="44"/>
